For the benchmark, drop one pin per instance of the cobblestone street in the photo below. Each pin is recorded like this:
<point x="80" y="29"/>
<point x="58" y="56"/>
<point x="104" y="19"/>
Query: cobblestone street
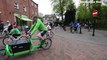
<point x="67" y="49"/>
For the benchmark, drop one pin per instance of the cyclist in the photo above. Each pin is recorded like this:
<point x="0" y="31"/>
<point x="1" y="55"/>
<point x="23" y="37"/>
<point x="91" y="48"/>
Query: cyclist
<point x="26" y="29"/>
<point x="38" y="25"/>
<point x="48" y="27"/>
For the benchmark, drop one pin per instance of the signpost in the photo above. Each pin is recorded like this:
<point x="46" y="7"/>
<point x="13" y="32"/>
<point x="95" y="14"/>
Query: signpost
<point x="95" y="13"/>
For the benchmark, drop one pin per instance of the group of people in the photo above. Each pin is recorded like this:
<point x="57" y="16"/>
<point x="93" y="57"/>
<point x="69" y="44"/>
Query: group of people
<point x="38" y="25"/>
<point x="10" y="29"/>
<point x="6" y="27"/>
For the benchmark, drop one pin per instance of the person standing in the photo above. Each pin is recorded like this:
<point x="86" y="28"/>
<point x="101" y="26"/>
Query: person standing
<point x="1" y="26"/>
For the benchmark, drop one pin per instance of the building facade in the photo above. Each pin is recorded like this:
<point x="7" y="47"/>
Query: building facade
<point x="50" y="18"/>
<point x="10" y="9"/>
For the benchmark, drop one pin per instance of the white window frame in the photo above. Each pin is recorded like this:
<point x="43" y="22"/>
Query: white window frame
<point x="24" y="8"/>
<point x="16" y="5"/>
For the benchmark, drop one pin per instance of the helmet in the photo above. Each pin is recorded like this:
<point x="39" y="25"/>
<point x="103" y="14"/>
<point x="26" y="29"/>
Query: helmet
<point x="14" y="26"/>
<point x="26" y="26"/>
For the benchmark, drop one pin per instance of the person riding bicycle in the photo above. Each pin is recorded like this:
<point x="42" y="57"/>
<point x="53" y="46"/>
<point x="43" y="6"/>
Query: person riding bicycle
<point x="26" y="29"/>
<point x="49" y="27"/>
<point x="7" y="27"/>
<point x="38" y="25"/>
<point x="15" y="32"/>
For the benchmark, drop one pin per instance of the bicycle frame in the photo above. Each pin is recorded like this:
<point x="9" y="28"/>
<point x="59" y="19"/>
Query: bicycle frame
<point x="32" y="48"/>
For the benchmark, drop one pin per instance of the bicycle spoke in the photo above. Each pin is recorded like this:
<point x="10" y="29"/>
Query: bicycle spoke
<point x="46" y="44"/>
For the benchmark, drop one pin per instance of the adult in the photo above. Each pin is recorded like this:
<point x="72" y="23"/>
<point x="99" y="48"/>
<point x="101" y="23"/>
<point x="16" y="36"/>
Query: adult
<point x="38" y="25"/>
<point x="1" y="26"/>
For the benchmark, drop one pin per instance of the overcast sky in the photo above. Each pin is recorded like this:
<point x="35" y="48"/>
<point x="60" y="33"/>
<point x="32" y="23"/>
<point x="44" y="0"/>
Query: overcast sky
<point x="45" y="6"/>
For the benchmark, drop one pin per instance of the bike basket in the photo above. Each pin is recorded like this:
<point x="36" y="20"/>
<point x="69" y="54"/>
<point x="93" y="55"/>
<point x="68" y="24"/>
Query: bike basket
<point x="20" y="46"/>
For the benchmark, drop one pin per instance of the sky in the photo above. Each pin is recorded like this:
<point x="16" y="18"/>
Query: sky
<point x="76" y="2"/>
<point x="45" y="6"/>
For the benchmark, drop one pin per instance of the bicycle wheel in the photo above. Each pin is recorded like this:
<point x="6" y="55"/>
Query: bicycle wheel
<point x="51" y="34"/>
<point x="5" y="34"/>
<point x="46" y="43"/>
<point x="0" y="34"/>
<point x="6" y="40"/>
<point x="47" y="35"/>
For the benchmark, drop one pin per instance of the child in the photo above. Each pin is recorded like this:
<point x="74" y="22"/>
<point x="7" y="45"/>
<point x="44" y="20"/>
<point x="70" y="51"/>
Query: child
<point x="48" y="27"/>
<point x="26" y="29"/>
<point x="15" y="31"/>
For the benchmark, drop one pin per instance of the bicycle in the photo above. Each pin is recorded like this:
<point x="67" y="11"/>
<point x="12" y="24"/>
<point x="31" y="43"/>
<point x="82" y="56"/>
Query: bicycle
<point x="26" y="46"/>
<point x="49" y="34"/>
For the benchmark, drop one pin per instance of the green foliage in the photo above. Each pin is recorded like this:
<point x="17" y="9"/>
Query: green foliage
<point x="61" y="6"/>
<point x="85" y="13"/>
<point x="102" y="23"/>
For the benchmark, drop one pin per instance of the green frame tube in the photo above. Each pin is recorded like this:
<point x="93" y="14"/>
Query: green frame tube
<point x="33" y="48"/>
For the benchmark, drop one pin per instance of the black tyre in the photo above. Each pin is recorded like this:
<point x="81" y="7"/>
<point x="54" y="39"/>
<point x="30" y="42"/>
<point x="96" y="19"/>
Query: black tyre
<point x="46" y="43"/>
<point x="0" y="34"/>
<point x="51" y="34"/>
<point x="5" y="34"/>
<point x="6" y="40"/>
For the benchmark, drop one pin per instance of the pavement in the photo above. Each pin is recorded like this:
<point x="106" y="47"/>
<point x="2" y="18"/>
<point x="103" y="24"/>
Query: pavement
<point x="86" y="36"/>
<point x="68" y="46"/>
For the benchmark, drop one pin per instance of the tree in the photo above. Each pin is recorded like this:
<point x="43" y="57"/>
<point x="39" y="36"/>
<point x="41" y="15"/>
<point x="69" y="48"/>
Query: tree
<point x="60" y="6"/>
<point x="85" y="11"/>
<point x="70" y="15"/>
<point x="102" y="23"/>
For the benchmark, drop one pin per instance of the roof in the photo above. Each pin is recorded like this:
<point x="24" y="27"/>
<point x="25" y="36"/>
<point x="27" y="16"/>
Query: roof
<point x="34" y="2"/>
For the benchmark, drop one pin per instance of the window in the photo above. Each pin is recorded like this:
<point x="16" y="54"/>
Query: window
<point x="16" y="5"/>
<point x="24" y="9"/>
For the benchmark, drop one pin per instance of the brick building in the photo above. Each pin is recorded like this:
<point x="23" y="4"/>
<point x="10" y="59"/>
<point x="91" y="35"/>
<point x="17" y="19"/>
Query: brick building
<point x="9" y="9"/>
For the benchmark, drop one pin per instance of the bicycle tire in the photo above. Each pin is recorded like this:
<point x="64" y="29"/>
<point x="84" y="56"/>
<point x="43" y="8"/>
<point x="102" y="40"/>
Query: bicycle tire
<point x="0" y="34"/>
<point x="5" y="34"/>
<point x="46" y="43"/>
<point x="5" y="40"/>
<point x="51" y="34"/>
